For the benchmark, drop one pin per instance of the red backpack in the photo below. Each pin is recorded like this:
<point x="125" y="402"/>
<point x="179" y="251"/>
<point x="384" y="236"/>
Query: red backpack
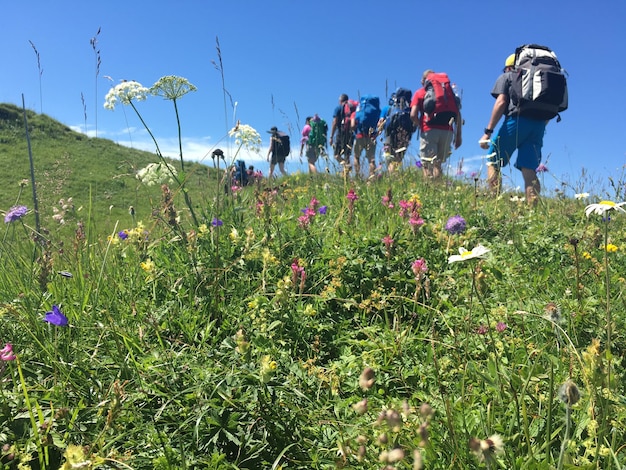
<point x="440" y="103"/>
<point x="349" y="107"/>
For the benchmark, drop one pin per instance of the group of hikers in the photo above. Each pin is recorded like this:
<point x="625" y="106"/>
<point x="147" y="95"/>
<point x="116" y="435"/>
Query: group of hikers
<point x="531" y="90"/>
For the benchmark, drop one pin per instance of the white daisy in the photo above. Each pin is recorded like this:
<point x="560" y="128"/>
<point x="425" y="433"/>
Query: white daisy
<point x="603" y="206"/>
<point x="477" y="252"/>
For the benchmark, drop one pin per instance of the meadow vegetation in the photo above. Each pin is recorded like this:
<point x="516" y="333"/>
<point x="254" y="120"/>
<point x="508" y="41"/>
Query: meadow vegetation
<point x="313" y="322"/>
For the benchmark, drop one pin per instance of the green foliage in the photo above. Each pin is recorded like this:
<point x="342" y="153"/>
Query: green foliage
<point x="272" y="337"/>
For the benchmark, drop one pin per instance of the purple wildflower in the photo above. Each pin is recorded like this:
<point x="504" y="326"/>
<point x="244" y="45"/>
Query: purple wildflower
<point x="456" y="225"/>
<point x="418" y="164"/>
<point x="123" y="234"/>
<point x="322" y="210"/>
<point x="6" y="353"/>
<point x="216" y="222"/>
<point x="419" y="267"/>
<point x="482" y="330"/>
<point x="15" y="213"/>
<point x="56" y="317"/>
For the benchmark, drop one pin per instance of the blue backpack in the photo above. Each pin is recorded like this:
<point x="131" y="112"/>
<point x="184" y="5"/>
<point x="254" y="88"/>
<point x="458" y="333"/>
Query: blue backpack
<point x="367" y="115"/>
<point x="241" y="173"/>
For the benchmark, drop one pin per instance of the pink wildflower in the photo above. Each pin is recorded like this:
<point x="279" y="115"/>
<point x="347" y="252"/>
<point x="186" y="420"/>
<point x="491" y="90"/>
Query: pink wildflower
<point x="501" y="326"/>
<point x="419" y="267"/>
<point x="388" y="241"/>
<point x="6" y="353"/>
<point x="352" y="196"/>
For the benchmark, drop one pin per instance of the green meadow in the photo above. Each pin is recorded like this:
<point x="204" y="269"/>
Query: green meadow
<point x="324" y="321"/>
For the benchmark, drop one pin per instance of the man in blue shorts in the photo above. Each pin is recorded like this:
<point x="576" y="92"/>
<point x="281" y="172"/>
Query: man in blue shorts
<point x="516" y="133"/>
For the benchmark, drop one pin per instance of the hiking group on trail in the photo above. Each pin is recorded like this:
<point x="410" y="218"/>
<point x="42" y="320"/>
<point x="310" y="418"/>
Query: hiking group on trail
<point x="530" y="92"/>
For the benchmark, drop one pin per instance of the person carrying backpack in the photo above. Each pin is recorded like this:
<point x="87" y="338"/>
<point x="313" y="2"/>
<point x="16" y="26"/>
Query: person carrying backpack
<point x="278" y="150"/>
<point x="315" y="141"/>
<point x="436" y="112"/>
<point x="341" y="132"/>
<point x="365" y="125"/>
<point x="398" y="128"/>
<point x="531" y="90"/>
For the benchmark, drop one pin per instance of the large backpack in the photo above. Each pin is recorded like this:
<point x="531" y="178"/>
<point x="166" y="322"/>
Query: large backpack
<point x="348" y="108"/>
<point x="398" y="125"/>
<point x="367" y="115"/>
<point x="440" y="102"/>
<point x="282" y="145"/>
<point x="539" y="86"/>
<point x="318" y="134"/>
<point x="241" y="173"/>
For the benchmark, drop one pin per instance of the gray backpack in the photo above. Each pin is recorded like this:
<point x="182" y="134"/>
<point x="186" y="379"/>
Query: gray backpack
<point x="539" y="86"/>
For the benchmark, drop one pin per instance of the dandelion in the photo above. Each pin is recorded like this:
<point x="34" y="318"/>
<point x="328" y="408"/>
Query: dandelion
<point x="125" y="92"/>
<point x="456" y="225"/>
<point x="6" y="353"/>
<point x="477" y="252"/>
<point x="56" y="317"/>
<point x="367" y="378"/>
<point x="602" y="207"/>
<point x="610" y="248"/>
<point x="581" y="196"/>
<point x="15" y="213"/>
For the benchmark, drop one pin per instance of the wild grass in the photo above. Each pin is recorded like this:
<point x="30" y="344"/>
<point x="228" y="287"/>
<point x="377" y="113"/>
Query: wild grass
<point x="290" y="325"/>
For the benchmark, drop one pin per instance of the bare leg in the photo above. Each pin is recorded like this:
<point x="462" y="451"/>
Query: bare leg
<point x="493" y="178"/>
<point x="281" y="166"/>
<point x="532" y="186"/>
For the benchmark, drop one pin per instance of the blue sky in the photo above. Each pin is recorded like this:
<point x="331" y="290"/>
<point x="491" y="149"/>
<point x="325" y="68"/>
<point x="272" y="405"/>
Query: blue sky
<point x="284" y="60"/>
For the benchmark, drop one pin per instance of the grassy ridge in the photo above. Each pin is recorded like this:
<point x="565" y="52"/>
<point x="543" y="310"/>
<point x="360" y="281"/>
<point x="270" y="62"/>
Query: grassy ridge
<point x="98" y="174"/>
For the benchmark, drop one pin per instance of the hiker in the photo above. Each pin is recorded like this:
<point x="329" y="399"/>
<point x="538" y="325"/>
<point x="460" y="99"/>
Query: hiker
<point x="439" y="121"/>
<point x="342" y="127"/>
<point x="316" y="141"/>
<point x="398" y="128"/>
<point x="277" y="151"/>
<point x="306" y="130"/>
<point x="525" y="119"/>
<point x="365" y="125"/>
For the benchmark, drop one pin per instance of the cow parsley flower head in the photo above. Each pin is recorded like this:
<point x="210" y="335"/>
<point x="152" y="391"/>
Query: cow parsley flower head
<point x="602" y="207"/>
<point x="172" y="87"/>
<point x="15" y="213"/>
<point x="125" y="92"/>
<point x="477" y="252"/>
<point x="156" y="173"/>
<point x="247" y="137"/>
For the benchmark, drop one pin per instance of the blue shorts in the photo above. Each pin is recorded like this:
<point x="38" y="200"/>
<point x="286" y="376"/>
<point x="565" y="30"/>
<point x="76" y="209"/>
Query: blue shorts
<point x="521" y="134"/>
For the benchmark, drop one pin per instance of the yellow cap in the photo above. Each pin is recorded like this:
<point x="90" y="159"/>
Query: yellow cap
<point x="510" y="61"/>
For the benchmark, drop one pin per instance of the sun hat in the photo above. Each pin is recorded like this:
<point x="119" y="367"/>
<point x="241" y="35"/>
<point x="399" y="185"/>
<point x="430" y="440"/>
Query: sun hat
<point x="510" y="61"/>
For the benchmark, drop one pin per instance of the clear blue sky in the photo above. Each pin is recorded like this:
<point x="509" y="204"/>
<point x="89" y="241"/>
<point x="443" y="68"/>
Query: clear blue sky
<point x="281" y="56"/>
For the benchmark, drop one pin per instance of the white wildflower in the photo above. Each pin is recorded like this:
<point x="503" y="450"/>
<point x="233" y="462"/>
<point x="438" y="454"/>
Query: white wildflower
<point x="125" y="92"/>
<point x="156" y="173"/>
<point x="246" y="136"/>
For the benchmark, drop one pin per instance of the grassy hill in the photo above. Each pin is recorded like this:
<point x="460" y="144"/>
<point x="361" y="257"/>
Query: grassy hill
<point x="98" y="174"/>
